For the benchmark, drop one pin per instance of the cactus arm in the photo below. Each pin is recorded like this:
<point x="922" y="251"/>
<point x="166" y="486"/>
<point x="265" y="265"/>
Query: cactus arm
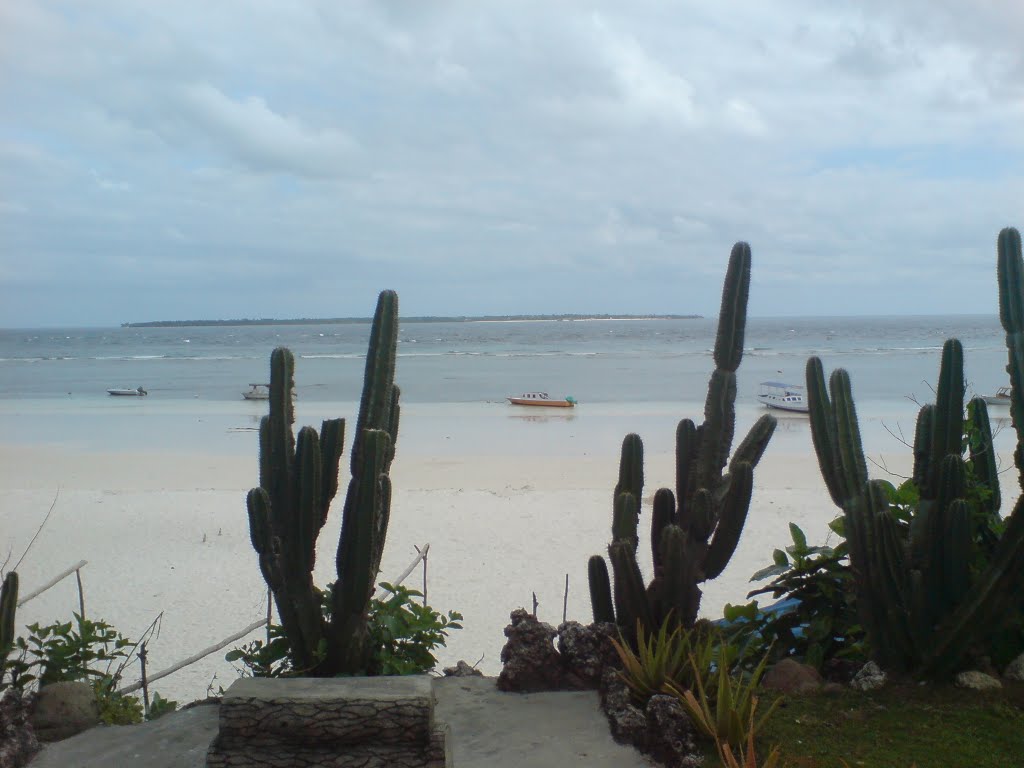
<point x="731" y="519"/>
<point x="732" y="317"/>
<point x="631" y="604"/>
<point x="924" y="474"/>
<point x="687" y="445"/>
<point x="376" y="405"/>
<point x="631" y="468"/>
<point x="756" y="442"/>
<point x="823" y="430"/>
<point x="8" y="608"/>
<point x="663" y="514"/>
<point x="679" y="577"/>
<point x="332" y="443"/>
<point x="948" y="432"/>
<point x="624" y="514"/>
<point x="983" y="454"/>
<point x="1010" y="271"/>
<point x="600" y="590"/>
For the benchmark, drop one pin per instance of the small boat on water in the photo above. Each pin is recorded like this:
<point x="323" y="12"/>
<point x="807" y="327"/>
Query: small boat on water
<point x="1001" y="397"/>
<point x="257" y="392"/>
<point x="542" y="399"/>
<point x="785" y="397"/>
<point x="138" y="392"/>
<point x="260" y="392"/>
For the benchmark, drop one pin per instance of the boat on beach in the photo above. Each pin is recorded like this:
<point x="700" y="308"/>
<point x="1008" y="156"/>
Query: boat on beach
<point x="784" y="397"/>
<point x="541" y="399"/>
<point x="1001" y="397"/>
<point x="137" y="392"/>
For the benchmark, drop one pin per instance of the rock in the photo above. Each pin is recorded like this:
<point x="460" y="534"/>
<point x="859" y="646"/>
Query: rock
<point x="462" y="669"/>
<point x="792" y="677"/>
<point x="627" y="721"/>
<point x="870" y="677"/>
<point x="670" y="736"/>
<point x="18" y="741"/>
<point x="1015" y="669"/>
<point x="529" y="659"/>
<point x="977" y="681"/>
<point x="586" y="651"/>
<point x="64" y="709"/>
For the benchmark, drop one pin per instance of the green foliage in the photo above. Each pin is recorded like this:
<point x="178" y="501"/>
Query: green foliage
<point x="298" y="481"/>
<point x="116" y="708"/>
<point x="665" y="657"/>
<point x="81" y="650"/>
<point x="694" y="530"/>
<point x="722" y="704"/>
<point x="159" y="706"/>
<point x="822" y="622"/>
<point x="403" y="635"/>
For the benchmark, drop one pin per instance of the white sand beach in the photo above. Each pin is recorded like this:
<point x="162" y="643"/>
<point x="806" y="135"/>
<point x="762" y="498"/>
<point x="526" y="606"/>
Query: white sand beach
<point x="508" y="508"/>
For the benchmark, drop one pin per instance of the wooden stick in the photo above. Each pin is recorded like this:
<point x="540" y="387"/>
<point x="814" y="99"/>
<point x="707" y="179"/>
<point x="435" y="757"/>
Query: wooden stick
<point x="51" y="582"/>
<point x="534" y="605"/>
<point x="270" y="611"/>
<point x="381" y="592"/>
<point x="565" y="599"/>
<point x="81" y="593"/>
<point x="192" y="659"/>
<point x="145" y="684"/>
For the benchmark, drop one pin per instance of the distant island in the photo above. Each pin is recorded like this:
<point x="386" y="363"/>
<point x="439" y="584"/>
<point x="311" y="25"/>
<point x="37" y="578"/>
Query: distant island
<point x="425" y="319"/>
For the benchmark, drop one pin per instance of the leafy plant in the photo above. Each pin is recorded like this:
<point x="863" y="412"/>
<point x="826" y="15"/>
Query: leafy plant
<point x="402" y="636"/>
<point x="816" y="617"/>
<point x="116" y="708"/>
<point x="71" y="650"/>
<point x="726" y="716"/>
<point x="664" y="657"/>
<point x="747" y="758"/>
<point x="159" y="707"/>
<point x="404" y="633"/>
<point x="8" y="607"/>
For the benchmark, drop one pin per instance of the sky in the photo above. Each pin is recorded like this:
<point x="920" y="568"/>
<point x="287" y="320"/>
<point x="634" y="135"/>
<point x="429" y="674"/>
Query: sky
<point x="196" y="159"/>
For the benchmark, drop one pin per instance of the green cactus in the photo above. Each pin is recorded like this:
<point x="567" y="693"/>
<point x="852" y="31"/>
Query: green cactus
<point x="298" y="481"/>
<point x="695" y="530"/>
<point x="8" y="606"/>
<point x="923" y="602"/>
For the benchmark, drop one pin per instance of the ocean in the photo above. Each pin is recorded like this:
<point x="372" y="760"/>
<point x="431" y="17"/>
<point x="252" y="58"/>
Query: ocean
<point x="626" y="374"/>
<point x="596" y="361"/>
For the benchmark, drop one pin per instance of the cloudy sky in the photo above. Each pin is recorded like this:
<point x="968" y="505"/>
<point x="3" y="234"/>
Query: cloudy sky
<point x="226" y="159"/>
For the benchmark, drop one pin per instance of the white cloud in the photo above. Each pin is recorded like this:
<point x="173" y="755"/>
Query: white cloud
<point x="331" y="147"/>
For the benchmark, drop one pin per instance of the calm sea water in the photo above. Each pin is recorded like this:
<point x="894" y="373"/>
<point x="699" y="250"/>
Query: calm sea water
<point x="597" y="361"/>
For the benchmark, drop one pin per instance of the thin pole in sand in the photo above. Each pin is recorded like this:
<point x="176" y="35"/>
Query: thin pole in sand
<point x="81" y="593"/>
<point x="534" y="604"/>
<point x="63" y="574"/>
<point x="270" y="612"/>
<point x="424" y="557"/>
<point x="565" y="599"/>
<point x="144" y="682"/>
<point x="192" y="659"/>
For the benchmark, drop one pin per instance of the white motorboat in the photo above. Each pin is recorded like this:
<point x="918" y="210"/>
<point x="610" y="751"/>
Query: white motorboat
<point x="137" y="392"/>
<point x="1001" y="397"/>
<point x="542" y="399"/>
<point x="785" y="397"/>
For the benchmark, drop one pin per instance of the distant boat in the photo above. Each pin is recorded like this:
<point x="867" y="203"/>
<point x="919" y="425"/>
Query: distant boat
<point x="785" y="397"/>
<point x="137" y="392"/>
<point x="542" y="399"/>
<point x="260" y="392"/>
<point x="257" y="392"/>
<point x="1001" y="397"/>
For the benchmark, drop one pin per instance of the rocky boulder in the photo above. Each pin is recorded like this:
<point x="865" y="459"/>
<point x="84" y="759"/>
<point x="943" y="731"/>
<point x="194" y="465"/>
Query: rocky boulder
<point x="64" y="709"/>
<point x="1015" y="670"/>
<point x="870" y="677"/>
<point x="977" y="681"/>
<point x="529" y="659"/>
<point x="791" y="677"/>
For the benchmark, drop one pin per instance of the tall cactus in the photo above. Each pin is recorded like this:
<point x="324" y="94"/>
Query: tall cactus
<point x="695" y="530"/>
<point x="8" y="606"/>
<point x="920" y="604"/>
<point x="299" y="480"/>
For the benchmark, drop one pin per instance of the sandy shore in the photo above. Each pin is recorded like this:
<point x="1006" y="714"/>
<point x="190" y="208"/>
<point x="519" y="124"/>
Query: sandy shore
<point x="167" y="532"/>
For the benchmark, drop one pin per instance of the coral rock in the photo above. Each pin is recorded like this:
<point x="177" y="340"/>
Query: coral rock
<point x="977" y="681"/>
<point x="529" y="659"/>
<point x="670" y="736"/>
<point x="586" y="651"/>
<point x="18" y="741"/>
<point x="462" y="669"/>
<point x="1015" y="669"/>
<point x="870" y="677"/>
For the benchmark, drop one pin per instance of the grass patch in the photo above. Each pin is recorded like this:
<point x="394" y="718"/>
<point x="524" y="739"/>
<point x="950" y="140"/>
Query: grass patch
<point x="928" y="726"/>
